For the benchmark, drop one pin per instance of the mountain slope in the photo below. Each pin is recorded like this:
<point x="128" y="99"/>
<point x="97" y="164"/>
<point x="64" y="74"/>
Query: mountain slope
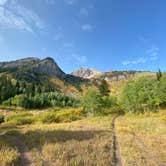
<point x="110" y="76"/>
<point x="44" y="73"/>
<point x="46" y="66"/>
<point x="86" y="73"/>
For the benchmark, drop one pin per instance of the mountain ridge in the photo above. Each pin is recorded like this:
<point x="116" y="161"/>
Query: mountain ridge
<point x="45" y="66"/>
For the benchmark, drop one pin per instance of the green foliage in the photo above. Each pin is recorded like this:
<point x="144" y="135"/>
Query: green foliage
<point x="144" y="94"/>
<point x="92" y="101"/>
<point x="109" y="101"/>
<point x="62" y="116"/>
<point x="21" y="118"/>
<point x="159" y="75"/>
<point x="104" y="88"/>
<point x="49" y="99"/>
<point x="2" y="118"/>
<point x="20" y="115"/>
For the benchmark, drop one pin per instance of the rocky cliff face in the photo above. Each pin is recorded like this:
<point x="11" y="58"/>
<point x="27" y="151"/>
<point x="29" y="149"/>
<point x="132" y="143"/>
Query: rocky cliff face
<point x="50" y="67"/>
<point x="86" y="73"/>
<point x="110" y="76"/>
<point x="46" y="66"/>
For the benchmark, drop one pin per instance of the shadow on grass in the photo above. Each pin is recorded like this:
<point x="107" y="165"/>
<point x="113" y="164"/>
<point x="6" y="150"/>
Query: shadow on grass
<point x="37" y="138"/>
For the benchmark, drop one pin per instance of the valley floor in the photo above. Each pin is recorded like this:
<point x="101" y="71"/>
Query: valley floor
<point x="131" y="140"/>
<point x="142" y="139"/>
<point x="84" y="142"/>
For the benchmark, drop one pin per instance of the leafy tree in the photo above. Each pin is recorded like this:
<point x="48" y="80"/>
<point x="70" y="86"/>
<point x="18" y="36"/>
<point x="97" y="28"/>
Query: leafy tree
<point x="92" y="102"/>
<point x="104" y="88"/>
<point x="142" y="95"/>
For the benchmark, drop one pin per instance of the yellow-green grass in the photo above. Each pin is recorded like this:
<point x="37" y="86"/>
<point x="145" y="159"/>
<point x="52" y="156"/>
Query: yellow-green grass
<point x="84" y="142"/>
<point x="8" y="154"/>
<point x="142" y="138"/>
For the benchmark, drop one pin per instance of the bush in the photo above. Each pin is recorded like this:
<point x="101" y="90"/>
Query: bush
<point x="19" y="115"/>
<point x="22" y="120"/>
<point x="48" y="118"/>
<point x="2" y="118"/>
<point x="62" y="116"/>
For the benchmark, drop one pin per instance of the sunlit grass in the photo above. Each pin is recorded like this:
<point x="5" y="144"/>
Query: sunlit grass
<point x="8" y="155"/>
<point x="142" y="138"/>
<point x="83" y="142"/>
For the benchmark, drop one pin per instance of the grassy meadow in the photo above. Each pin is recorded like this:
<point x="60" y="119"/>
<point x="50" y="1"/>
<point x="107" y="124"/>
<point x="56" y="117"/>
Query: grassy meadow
<point x="39" y="139"/>
<point x="142" y="138"/>
<point x="88" y="141"/>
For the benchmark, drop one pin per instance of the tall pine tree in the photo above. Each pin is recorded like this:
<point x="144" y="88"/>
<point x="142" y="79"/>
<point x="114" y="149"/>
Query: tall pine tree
<point x="104" y="88"/>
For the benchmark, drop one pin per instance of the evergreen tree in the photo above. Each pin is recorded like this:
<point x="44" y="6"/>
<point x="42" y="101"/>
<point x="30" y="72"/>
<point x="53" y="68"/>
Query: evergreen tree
<point x="104" y="88"/>
<point x="159" y="75"/>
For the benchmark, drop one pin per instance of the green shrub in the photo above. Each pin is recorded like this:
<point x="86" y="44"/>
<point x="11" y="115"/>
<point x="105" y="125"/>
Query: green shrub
<point x="22" y="120"/>
<point x="67" y="115"/>
<point x="19" y="115"/>
<point x="48" y="117"/>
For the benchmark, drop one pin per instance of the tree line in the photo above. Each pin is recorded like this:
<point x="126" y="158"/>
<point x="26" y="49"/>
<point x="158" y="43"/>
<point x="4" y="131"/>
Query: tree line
<point x="31" y="95"/>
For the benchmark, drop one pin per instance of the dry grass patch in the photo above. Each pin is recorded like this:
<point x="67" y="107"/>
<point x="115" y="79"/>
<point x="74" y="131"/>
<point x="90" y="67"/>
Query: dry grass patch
<point x="142" y="138"/>
<point x="85" y="142"/>
<point x="8" y="155"/>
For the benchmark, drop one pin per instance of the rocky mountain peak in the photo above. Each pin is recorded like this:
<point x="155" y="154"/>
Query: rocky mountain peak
<point x="86" y="73"/>
<point x="45" y="66"/>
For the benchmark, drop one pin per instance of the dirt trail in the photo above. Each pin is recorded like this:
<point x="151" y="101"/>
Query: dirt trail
<point x="25" y="155"/>
<point x="152" y="156"/>
<point x="117" y="156"/>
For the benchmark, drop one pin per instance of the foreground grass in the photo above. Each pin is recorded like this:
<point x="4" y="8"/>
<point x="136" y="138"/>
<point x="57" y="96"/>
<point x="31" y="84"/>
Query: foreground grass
<point x="142" y="139"/>
<point x="84" y="142"/>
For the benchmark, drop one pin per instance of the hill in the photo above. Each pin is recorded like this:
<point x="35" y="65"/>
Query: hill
<point x="44" y="72"/>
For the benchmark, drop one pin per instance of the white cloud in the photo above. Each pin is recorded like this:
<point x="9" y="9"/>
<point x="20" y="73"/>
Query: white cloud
<point x="84" y="12"/>
<point x="153" y="53"/>
<point x="15" y="16"/>
<point x="86" y="27"/>
<point x="134" y="62"/>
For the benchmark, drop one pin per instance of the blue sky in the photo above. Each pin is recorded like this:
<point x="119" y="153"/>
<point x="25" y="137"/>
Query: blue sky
<point x="101" y="34"/>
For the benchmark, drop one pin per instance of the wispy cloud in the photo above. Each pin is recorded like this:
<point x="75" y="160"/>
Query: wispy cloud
<point x="144" y="39"/>
<point x="151" y="54"/>
<point x="79" y="59"/>
<point x="15" y="16"/>
<point x="86" y="27"/>
<point x="135" y="62"/>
